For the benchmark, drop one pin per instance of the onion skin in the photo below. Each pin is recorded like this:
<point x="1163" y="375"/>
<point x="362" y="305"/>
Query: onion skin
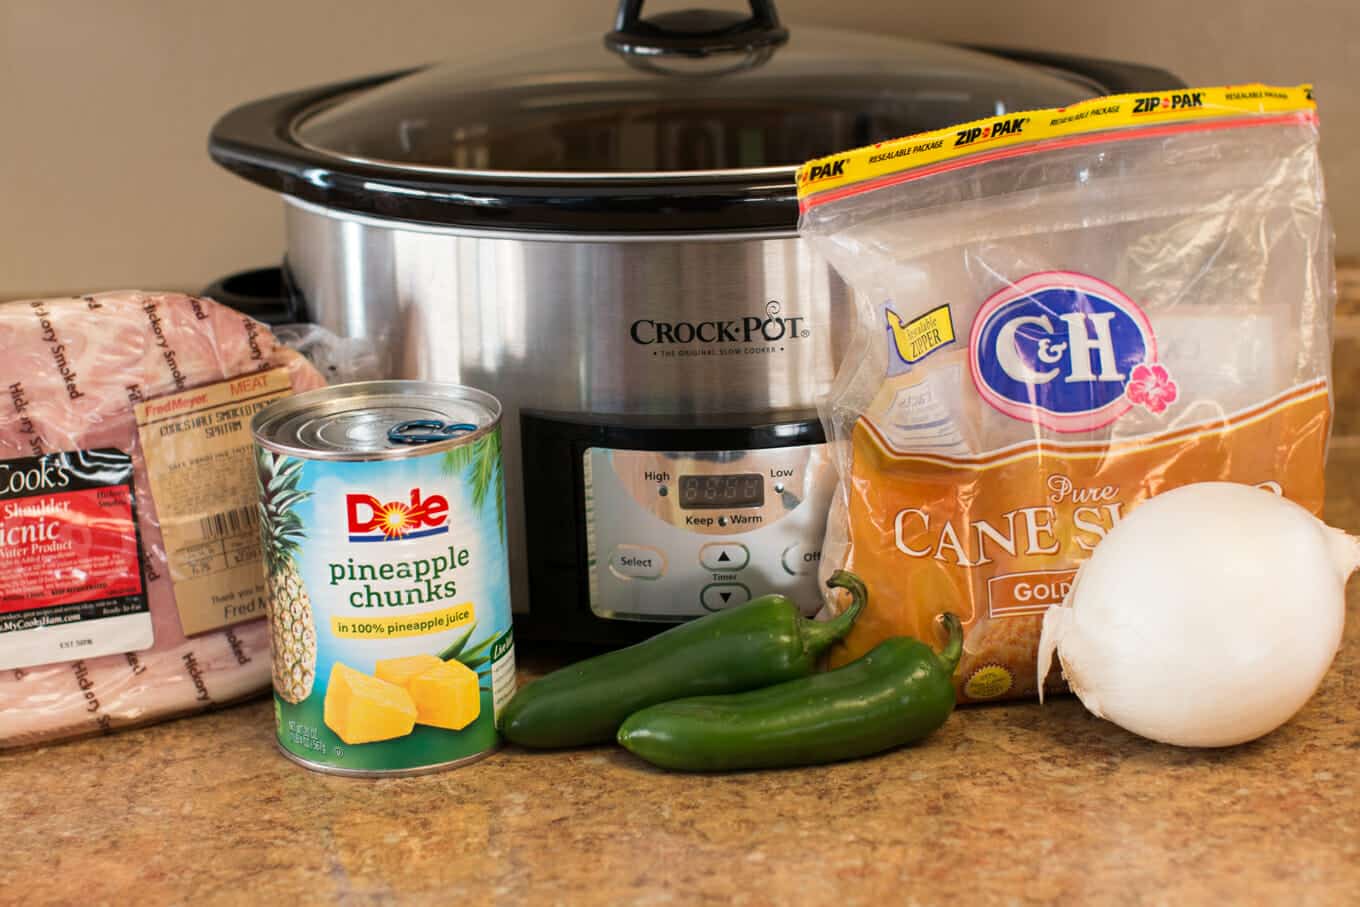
<point x="1205" y="618"/>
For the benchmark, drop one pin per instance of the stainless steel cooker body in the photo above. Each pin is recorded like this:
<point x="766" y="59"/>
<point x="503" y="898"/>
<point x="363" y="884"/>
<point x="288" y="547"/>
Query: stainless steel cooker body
<point x="603" y="235"/>
<point x="688" y="327"/>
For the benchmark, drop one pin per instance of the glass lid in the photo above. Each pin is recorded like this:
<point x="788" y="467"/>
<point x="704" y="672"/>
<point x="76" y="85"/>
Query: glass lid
<point x="671" y="97"/>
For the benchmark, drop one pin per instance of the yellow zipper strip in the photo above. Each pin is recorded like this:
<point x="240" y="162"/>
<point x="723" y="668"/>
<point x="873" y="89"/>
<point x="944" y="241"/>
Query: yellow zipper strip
<point x="818" y="177"/>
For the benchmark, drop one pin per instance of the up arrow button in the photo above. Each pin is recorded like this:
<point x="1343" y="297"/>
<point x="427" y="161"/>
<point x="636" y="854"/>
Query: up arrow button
<point x="724" y="556"/>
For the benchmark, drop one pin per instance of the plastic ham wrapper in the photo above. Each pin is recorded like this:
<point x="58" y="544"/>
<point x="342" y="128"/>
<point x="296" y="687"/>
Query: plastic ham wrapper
<point x="1063" y="313"/>
<point x="130" y="582"/>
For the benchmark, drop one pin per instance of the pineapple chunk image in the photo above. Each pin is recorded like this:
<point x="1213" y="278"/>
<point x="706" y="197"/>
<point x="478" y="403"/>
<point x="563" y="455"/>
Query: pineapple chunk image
<point x="363" y="709"/>
<point x="401" y="670"/>
<point x="447" y="696"/>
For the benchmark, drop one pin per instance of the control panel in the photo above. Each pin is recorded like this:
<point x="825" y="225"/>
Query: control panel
<point x="672" y="534"/>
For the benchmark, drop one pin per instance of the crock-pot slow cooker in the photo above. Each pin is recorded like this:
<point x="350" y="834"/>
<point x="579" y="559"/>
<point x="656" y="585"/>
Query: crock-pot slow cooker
<point x="603" y="235"/>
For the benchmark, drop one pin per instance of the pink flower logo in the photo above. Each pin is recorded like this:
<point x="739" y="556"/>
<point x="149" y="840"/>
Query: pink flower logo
<point x="1151" y="386"/>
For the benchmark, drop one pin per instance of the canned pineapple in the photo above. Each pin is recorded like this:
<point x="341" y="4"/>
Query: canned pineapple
<point x="382" y="517"/>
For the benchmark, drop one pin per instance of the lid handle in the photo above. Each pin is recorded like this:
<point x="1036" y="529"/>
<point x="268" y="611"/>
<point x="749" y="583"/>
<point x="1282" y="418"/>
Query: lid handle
<point x="696" y="33"/>
<point x="426" y="431"/>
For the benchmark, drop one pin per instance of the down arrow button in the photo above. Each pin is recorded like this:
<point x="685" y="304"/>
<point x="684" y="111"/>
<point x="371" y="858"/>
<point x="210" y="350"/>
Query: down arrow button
<point x="717" y="596"/>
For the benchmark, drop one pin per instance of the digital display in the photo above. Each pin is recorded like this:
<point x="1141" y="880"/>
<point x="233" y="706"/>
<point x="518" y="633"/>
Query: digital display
<point x="708" y="492"/>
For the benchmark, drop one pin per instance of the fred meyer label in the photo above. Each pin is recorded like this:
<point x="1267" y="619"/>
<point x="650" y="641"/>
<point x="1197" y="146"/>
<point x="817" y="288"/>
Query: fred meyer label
<point x="401" y="569"/>
<point x="70" y="566"/>
<point x="198" y="446"/>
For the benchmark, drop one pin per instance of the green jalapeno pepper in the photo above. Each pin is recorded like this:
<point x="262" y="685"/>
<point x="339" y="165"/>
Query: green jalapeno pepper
<point x="897" y="693"/>
<point x="761" y="642"/>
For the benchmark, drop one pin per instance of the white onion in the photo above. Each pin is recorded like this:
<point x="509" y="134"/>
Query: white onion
<point x="1207" y="617"/>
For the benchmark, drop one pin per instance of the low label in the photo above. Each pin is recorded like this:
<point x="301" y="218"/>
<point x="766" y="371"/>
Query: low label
<point x="198" y="451"/>
<point x="70" y="566"/>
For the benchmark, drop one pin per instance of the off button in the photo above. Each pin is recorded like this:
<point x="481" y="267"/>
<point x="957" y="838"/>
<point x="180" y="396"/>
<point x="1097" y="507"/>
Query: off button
<point x="637" y="562"/>
<point x="801" y="560"/>
<point x="723" y="556"/>
<point x="717" y="596"/>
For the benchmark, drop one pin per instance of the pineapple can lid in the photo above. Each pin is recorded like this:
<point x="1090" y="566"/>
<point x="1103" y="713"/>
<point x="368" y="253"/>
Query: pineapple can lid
<point x="376" y="420"/>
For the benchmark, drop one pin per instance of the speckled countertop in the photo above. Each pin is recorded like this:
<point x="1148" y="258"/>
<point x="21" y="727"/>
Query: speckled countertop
<point x="1006" y="804"/>
<point x="1011" y="804"/>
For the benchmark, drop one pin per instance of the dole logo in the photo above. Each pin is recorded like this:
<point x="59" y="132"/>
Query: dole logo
<point x="373" y="521"/>
<point x="1067" y="351"/>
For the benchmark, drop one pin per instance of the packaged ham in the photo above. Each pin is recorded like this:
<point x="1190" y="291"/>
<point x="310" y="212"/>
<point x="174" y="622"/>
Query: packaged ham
<point x="131" y="588"/>
<point x="1063" y="313"/>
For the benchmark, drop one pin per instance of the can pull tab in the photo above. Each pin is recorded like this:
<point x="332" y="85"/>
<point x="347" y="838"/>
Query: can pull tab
<point x="424" y="431"/>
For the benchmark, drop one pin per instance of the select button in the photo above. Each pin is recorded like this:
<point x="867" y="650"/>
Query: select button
<point x="717" y="596"/>
<point x="637" y="562"/>
<point x="724" y="556"/>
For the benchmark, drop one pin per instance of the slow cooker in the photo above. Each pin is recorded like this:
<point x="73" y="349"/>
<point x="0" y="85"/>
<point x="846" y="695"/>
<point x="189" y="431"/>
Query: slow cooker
<point x="603" y="235"/>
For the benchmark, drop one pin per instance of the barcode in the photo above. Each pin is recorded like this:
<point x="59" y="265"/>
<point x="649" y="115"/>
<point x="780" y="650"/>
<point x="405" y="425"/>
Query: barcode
<point x="229" y="522"/>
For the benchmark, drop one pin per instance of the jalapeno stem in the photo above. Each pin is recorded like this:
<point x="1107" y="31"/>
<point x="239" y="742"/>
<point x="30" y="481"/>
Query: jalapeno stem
<point x="953" y="648"/>
<point x="818" y="634"/>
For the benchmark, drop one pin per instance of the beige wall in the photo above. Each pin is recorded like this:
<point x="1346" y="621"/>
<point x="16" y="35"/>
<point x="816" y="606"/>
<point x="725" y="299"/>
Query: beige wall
<point x="105" y="105"/>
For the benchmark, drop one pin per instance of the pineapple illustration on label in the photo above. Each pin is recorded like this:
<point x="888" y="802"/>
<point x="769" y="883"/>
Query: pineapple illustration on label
<point x="292" y="633"/>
